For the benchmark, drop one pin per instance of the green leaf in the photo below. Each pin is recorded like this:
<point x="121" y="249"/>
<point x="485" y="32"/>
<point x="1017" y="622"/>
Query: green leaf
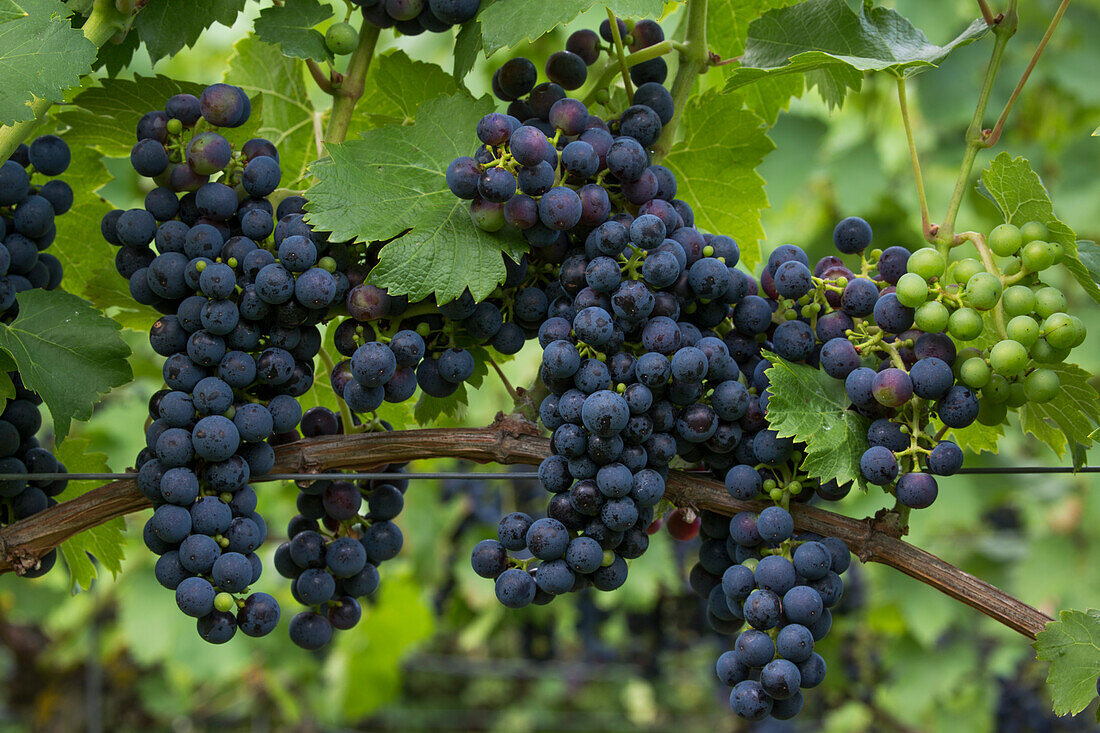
<point x="728" y="23"/>
<point x="769" y="97"/>
<point x="1074" y="411"/>
<point x="10" y="11"/>
<point x="392" y="183"/>
<point x="812" y="407"/>
<point x="41" y="56"/>
<point x="287" y="118"/>
<point x="715" y="169"/>
<point x="1021" y="196"/>
<point x="166" y="26"/>
<point x="1072" y="646"/>
<point x="367" y="659"/>
<point x="67" y="352"/>
<point x="977" y="438"/>
<point x="838" y="44"/>
<point x="510" y="23"/>
<point x="468" y="45"/>
<point x="290" y="27"/>
<point x="105" y="541"/>
<point x="396" y="88"/>
<point x="429" y="409"/>
<point x="114" y="57"/>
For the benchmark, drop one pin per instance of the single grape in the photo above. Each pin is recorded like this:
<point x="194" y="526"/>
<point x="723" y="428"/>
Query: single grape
<point x="1005" y="240"/>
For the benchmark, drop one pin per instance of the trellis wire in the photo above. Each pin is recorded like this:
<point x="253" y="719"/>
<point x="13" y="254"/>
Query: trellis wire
<point x="464" y="476"/>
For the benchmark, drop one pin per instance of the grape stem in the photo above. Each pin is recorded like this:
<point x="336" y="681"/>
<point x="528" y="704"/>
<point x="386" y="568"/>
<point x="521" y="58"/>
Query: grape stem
<point x="350" y="88"/>
<point x="101" y="26"/>
<point x="975" y="138"/>
<point x="324" y="81"/>
<point x="995" y="135"/>
<point x="903" y="103"/>
<point x="516" y="398"/>
<point x="611" y="68"/>
<point x="987" y="12"/>
<point x="991" y="267"/>
<point x="617" y="41"/>
<point x="514" y="440"/>
<point x="694" y="60"/>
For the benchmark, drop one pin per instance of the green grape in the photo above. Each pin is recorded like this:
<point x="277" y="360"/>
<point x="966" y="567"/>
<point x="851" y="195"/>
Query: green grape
<point x="224" y="602"/>
<point x="1058" y="250"/>
<point x="992" y="413"/>
<point x="1080" y="329"/>
<point x="912" y="290"/>
<point x="1023" y="329"/>
<point x="1034" y="230"/>
<point x="1005" y="240"/>
<point x="1018" y="300"/>
<point x="974" y="372"/>
<point x="983" y="290"/>
<point x="1049" y="301"/>
<point x="965" y="324"/>
<point x="1059" y="331"/>
<point x="931" y="317"/>
<point x="341" y="38"/>
<point x="1014" y="265"/>
<point x="1017" y="395"/>
<point x="1042" y="385"/>
<point x="926" y="262"/>
<point x="996" y="390"/>
<point x="1037" y="256"/>
<point x="1043" y="353"/>
<point x="174" y="126"/>
<point x="1008" y="358"/>
<point x="967" y="268"/>
<point x="963" y="354"/>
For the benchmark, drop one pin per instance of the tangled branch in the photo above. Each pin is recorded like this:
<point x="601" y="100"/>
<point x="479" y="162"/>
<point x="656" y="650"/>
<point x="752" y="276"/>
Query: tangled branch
<point x="510" y="441"/>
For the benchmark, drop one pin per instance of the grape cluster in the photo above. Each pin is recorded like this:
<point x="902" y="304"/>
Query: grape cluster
<point x="754" y="570"/>
<point x="413" y="17"/>
<point x="334" y="547"/>
<point x="241" y="296"/>
<point x="630" y="292"/>
<point x="28" y="208"/>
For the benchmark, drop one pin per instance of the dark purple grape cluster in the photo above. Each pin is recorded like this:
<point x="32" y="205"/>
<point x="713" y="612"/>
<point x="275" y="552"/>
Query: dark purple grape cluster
<point x="754" y="569"/>
<point x="344" y="530"/>
<point x="413" y="17"/>
<point x="242" y="286"/>
<point x="31" y="197"/>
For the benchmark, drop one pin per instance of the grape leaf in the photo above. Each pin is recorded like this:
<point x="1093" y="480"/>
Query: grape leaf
<point x="290" y="27"/>
<point x="715" y="169"/>
<point x="1019" y="193"/>
<point x="103" y="542"/>
<point x="392" y="183"/>
<point x="166" y="26"/>
<point x="67" y="352"/>
<point x="41" y="56"/>
<point x="976" y="438"/>
<point x="728" y="23"/>
<point x="508" y="24"/>
<point x="9" y="10"/>
<point x="396" y="88"/>
<point x="114" y="57"/>
<point x="1072" y="646"/>
<point x="1074" y="411"/>
<point x="812" y="407"/>
<point x="838" y="44"/>
<point x="429" y="410"/>
<point x="468" y="45"/>
<point x="287" y="118"/>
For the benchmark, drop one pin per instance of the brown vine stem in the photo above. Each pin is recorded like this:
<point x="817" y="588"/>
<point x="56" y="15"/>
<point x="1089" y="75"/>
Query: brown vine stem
<point x="987" y="13"/>
<point x="995" y="133"/>
<point x="513" y="440"/>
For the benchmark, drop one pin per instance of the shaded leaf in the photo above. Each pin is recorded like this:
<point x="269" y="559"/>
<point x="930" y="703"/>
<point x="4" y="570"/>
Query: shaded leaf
<point x="104" y="542"/>
<point x="41" y="56"/>
<point x="290" y="26"/>
<point x="67" y="352"/>
<point x="510" y="23"/>
<point x="166" y="26"/>
<point x="812" y="407"/>
<point x="837" y="44"/>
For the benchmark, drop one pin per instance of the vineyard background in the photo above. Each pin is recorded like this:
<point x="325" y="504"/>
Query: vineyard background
<point x="436" y="651"/>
